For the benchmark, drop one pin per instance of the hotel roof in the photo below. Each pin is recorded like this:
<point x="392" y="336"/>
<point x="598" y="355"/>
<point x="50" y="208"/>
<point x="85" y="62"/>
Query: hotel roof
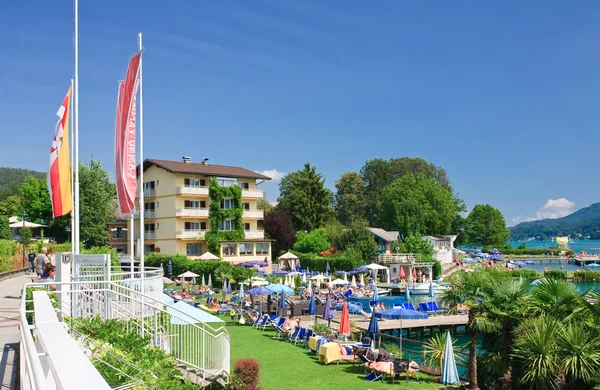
<point x="204" y="169"/>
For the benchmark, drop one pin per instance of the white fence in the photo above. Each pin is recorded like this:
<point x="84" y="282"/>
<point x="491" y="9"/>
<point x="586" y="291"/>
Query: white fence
<point x="201" y="348"/>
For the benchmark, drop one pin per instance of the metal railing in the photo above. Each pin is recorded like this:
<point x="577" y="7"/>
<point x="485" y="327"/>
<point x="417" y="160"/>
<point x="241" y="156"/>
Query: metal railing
<point x="192" y="212"/>
<point x="254" y="234"/>
<point x="402" y="258"/>
<point x="190" y="234"/>
<point x="253" y="214"/>
<point x="191" y="191"/>
<point x="198" y="346"/>
<point x="252" y="194"/>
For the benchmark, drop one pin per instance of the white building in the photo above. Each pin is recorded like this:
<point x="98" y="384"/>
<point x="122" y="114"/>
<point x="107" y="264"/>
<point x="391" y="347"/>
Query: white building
<point x="443" y="247"/>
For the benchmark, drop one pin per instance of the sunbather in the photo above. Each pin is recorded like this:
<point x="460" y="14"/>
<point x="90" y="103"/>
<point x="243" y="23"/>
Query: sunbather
<point x="215" y="305"/>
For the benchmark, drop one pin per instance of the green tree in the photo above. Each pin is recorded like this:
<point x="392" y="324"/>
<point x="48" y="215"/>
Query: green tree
<point x="97" y="195"/>
<point x="5" y="232"/>
<point x="25" y="236"/>
<point x="360" y="239"/>
<point x="313" y="242"/>
<point x="305" y="199"/>
<point x="11" y="206"/>
<point x="36" y="200"/>
<point x="350" y="199"/>
<point x="416" y="204"/>
<point x="485" y="226"/>
<point x="414" y="243"/>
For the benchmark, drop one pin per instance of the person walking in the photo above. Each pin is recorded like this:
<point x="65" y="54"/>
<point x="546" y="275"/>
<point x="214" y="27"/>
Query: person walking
<point x="31" y="258"/>
<point x="40" y="261"/>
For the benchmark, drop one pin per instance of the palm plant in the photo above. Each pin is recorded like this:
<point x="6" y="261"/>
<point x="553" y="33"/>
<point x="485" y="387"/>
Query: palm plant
<point x="434" y="350"/>
<point x="557" y="298"/>
<point x="472" y="289"/>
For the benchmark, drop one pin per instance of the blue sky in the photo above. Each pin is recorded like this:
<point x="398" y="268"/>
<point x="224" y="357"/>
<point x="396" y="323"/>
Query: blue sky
<point x="505" y="96"/>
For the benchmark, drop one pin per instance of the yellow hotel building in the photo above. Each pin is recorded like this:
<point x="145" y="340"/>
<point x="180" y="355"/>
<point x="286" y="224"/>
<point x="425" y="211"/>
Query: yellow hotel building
<point x="177" y="203"/>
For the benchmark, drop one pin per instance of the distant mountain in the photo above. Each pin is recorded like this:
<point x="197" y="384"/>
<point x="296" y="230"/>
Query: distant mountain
<point x="584" y="222"/>
<point x="12" y="178"/>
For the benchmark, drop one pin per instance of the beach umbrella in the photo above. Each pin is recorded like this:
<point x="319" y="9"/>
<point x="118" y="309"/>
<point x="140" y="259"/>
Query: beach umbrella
<point x="406" y="293"/>
<point x="170" y="268"/>
<point x="430" y="289"/>
<point x="282" y="303"/>
<point x="203" y="281"/>
<point x="362" y="279"/>
<point x="309" y="288"/>
<point x="304" y="278"/>
<point x="293" y="282"/>
<point x="209" y="280"/>
<point x="312" y="306"/>
<point x="339" y="281"/>
<point x="402" y="274"/>
<point x="229" y="289"/>
<point x="530" y="262"/>
<point x="287" y="281"/>
<point x="259" y="291"/>
<point x="388" y="276"/>
<point x="329" y="279"/>
<point x="307" y="271"/>
<point x="279" y="288"/>
<point x="353" y="281"/>
<point x="281" y="280"/>
<point x="241" y="291"/>
<point x="224" y="288"/>
<point x="327" y="313"/>
<point x="346" y="277"/>
<point x="297" y="263"/>
<point x="414" y="274"/>
<point x="375" y="292"/>
<point x="449" y="371"/>
<point x="327" y="269"/>
<point x="373" y="326"/>
<point x="345" y="321"/>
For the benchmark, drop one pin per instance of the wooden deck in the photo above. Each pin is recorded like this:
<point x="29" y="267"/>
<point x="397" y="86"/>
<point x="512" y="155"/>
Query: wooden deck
<point x="431" y="322"/>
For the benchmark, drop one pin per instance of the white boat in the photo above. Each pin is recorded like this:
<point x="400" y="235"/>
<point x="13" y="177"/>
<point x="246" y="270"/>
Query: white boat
<point x="383" y="292"/>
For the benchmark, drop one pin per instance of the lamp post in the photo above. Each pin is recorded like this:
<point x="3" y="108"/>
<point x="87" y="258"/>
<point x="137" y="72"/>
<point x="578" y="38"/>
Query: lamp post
<point x="23" y="215"/>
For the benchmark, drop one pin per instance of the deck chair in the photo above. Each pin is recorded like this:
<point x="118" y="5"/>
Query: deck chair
<point x="409" y="306"/>
<point x="280" y="333"/>
<point x="292" y="336"/>
<point x="309" y="334"/>
<point x="262" y="322"/>
<point x="363" y="358"/>
<point x="372" y="376"/>
<point x="300" y="336"/>
<point x="269" y="321"/>
<point x="433" y="307"/>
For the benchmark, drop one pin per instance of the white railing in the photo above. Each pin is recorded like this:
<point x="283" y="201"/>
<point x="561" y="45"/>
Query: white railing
<point x="252" y="194"/>
<point x="200" y="347"/>
<point x="149" y="235"/>
<point x="192" y="191"/>
<point x="253" y="214"/>
<point x="254" y="234"/>
<point x="149" y="193"/>
<point x="149" y="213"/>
<point x="192" y="212"/>
<point x="403" y="258"/>
<point x="190" y="234"/>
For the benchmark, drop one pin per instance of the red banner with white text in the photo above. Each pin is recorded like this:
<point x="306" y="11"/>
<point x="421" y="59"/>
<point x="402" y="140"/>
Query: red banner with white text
<point x="125" y="138"/>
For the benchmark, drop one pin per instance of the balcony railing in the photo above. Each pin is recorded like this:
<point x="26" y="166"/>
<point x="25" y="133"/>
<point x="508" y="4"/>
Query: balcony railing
<point x="149" y="193"/>
<point x="259" y="214"/>
<point x="403" y="258"/>
<point x="190" y="234"/>
<point x="252" y="194"/>
<point x="149" y="235"/>
<point x="192" y="191"/>
<point x="192" y="212"/>
<point x="149" y="213"/>
<point x="255" y="234"/>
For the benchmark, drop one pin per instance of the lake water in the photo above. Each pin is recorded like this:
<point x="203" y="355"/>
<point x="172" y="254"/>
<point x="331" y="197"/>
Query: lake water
<point x="591" y="246"/>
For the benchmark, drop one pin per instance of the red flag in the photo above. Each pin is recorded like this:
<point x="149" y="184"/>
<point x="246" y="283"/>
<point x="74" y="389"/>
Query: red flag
<point x="125" y="159"/>
<point x="59" y="174"/>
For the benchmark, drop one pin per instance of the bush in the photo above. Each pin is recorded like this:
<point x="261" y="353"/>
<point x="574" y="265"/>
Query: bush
<point x="5" y="232"/>
<point x="105" y="250"/>
<point x="25" y="236"/>
<point x="245" y="375"/>
<point x="555" y="274"/>
<point x="313" y="242"/>
<point x="344" y="261"/>
<point x="526" y="274"/>
<point x="182" y="263"/>
<point x="8" y="250"/>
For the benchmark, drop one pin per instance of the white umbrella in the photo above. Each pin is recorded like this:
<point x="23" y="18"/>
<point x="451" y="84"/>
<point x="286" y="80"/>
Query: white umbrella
<point x="280" y="281"/>
<point x="25" y="224"/>
<point x="203" y="281"/>
<point x="304" y="278"/>
<point x="209" y="256"/>
<point x="362" y="279"/>
<point x="376" y="266"/>
<point x="388" y="276"/>
<point x="353" y="281"/>
<point x="309" y="288"/>
<point x="329" y="279"/>
<point x="346" y="277"/>
<point x="209" y="280"/>
<point x="188" y="274"/>
<point x="338" y="281"/>
<point x="292" y="282"/>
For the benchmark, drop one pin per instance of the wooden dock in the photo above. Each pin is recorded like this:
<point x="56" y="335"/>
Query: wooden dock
<point x="431" y="322"/>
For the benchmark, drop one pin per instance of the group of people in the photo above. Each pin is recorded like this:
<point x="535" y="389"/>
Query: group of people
<point x="37" y="263"/>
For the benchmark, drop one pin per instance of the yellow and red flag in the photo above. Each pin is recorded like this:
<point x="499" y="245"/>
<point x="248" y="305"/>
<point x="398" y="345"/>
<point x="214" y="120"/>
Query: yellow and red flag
<point x="59" y="175"/>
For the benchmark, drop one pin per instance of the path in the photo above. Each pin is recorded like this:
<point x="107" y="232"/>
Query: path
<point x="10" y="299"/>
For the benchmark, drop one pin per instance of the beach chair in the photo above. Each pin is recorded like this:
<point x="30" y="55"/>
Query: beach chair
<point x="281" y="334"/>
<point x="300" y="336"/>
<point x="270" y="320"/>
<point x="262" y="322"/>
<point x="409" y="306"/>
<point x="425" y="308"/>
<point x="433" y="307"/>
<point x="309" y="334"/>
<point x="292" y="336"/>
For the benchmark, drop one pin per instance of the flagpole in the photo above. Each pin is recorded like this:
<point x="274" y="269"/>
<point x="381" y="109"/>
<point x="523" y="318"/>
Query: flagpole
<point x="76" y="129"/>
<point x="142" y="205"/>
<point x="72" y="149"/>
<point x="131" y="243"/>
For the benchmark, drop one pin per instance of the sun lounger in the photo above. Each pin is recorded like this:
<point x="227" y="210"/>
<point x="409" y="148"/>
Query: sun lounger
<point x="433" y="307"/>
<point x="294" y="334"/>
<point x="281" y="334"/>
<point x="299" y="337"/>
<point x="262" y="322"/>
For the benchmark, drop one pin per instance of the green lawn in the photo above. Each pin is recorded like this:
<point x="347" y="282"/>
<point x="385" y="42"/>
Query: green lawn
<point x="286" y="366"/>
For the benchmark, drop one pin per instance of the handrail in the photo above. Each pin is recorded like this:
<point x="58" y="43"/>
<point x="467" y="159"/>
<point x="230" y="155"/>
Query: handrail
<point x="33" y="365"/>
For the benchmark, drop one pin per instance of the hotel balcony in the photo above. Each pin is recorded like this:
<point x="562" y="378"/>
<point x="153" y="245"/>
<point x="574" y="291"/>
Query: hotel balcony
<point x="149" y="193"/>
<point x="255" y="235"/>
<point x="149" y="235"/>
<point x="192" y="213"/>
<point x="190" y="234"/>
<point x="197" y="191"/>
<point x="253" y="214"/>
<point x="256" y="194"/>
<point x="149" y="214"/>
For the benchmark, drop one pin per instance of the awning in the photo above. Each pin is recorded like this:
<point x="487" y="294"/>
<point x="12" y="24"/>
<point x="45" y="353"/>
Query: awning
<point x="188" y="313"/>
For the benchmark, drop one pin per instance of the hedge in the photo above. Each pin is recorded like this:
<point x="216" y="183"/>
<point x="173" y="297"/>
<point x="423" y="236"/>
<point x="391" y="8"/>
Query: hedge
<point x="8" y="250"/>
<point x="336" y="262"/>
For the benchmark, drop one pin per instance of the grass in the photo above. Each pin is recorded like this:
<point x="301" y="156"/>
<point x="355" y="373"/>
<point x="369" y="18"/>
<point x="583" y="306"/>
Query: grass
<point x="287" y="366"/>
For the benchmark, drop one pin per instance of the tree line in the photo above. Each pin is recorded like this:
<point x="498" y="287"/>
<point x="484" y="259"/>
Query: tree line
<point x="408" y="195"/>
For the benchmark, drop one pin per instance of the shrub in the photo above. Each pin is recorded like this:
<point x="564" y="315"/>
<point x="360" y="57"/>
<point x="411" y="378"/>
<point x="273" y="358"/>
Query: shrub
<point x="245" y="375"/>
<point x="8" y="250"/>
<point x="25" y="236"/>
<point x="5" y="232"/>
<point x="555" y="274"/>
<point x="527" y="274"/>
<point x="313" y="242"/>
<point x="105" y="250"/>
<point x="182" y="263"/>
<point x="344" y="261"/>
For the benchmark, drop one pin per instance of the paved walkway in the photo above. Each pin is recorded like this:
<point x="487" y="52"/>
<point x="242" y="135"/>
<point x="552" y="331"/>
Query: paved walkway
<point x="10" y="299"/>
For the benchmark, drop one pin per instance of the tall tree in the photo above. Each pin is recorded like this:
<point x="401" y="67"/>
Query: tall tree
<point x="36" y="200"/>
<point x="97" y="208"/>
<point x="485" y="225"/>
<point x="5" y="232"/>
<point x="279" y="227"/>
<point x="350" y="199"/>
<point x="417" y="204"/>
<point x="378" y="173"/>
<point x="11" y="206"/>
<point x="359" y="238"/>
<point x="305" y="199"/>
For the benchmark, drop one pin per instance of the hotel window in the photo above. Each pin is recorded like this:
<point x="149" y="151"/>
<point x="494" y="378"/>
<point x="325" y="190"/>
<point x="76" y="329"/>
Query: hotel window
<point x="246" y="226"/>
<point x="197" y="183"/>
<point x="193" y="226"/>
<point x="229" y="249"/>
<point x="225" y="182"/>
<point x="227" y="203"/>
<point x="246" y="249"/>
<point x="149" y="248"/>
<point x="226" y="225"/>
<point x="149" y="227"/>
<point x="193" y="249"/>
<point x="243" y="185"/>
<point x="149" y="206"/>
<point x="119" y="232"/>
<point x="246" y="206"/>
<point x="262" y="249"/>
<point x="149" y="185"/>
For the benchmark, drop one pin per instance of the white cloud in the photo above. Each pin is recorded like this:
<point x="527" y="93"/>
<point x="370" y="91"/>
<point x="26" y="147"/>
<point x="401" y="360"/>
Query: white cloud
<point x="552" y="209"/>
<point x="274" y="174"/>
